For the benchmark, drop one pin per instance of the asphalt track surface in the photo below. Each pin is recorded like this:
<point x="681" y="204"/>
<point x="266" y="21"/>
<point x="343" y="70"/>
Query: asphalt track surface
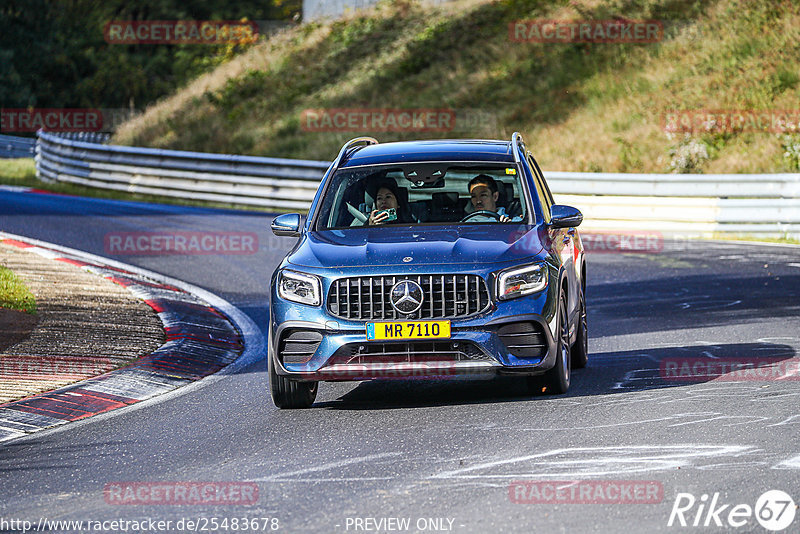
<point x="445" y="449"/>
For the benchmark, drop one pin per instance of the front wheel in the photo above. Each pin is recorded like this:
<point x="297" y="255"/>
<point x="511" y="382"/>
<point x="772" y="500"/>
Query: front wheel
<point x="557" y="379"/>
<point x="290" y="393"/>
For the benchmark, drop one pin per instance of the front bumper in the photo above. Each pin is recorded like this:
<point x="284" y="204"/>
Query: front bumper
<point x="482" y="346"/>
<point x="479" y="346"/>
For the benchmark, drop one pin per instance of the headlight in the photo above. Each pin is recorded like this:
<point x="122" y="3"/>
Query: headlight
<point x="520" y="281"/>
<point x="299" y="287"/>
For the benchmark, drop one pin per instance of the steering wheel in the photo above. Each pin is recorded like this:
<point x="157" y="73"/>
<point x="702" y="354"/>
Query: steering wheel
<point x="355" y="213"/>
<point x="482" y="213"/>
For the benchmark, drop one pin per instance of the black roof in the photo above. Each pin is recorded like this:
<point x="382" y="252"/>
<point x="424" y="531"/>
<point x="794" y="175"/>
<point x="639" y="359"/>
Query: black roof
<point x="440" y="150"/>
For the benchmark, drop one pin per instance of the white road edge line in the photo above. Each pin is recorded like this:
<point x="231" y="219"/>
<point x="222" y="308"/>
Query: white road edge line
<point x="739" y="242"/>
<point x="254" y="344"/>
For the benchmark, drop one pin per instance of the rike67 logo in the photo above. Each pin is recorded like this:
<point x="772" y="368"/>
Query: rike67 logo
<point x="774" y="510"/>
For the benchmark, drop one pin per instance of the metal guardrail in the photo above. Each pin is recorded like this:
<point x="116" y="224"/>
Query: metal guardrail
<point x="677" y="185"/>
<point x="12" y="146"/>
<point x="17" y="147"/>
<point x="88" y="137"/>
<point x="692" y="204"/>
<point x="246" y="180"/>
<point x="689" y="204"/>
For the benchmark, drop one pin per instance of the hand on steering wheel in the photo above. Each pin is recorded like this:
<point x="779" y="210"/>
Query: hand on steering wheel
<point x="482" y="213"/>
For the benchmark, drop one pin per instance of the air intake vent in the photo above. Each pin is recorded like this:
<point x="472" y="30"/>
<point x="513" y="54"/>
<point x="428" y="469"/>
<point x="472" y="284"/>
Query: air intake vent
<point x="524" y="340"/>
<point x="298" y="346"/>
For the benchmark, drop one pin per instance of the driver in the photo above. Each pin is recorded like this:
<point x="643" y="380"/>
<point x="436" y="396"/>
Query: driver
<point x="483" y="195"/>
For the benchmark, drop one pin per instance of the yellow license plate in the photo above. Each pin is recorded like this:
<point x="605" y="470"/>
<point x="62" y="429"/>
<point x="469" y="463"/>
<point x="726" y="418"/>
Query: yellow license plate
<point x="409" y="330"/>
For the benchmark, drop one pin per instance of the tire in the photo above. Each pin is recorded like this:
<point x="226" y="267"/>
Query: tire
<point x="580" y="350"/>
<point x="556" y="380"/>
<point x="288" y="393"/>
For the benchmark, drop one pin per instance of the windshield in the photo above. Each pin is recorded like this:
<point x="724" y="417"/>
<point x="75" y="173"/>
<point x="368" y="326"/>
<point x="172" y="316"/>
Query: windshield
<point x="424" y="193"/>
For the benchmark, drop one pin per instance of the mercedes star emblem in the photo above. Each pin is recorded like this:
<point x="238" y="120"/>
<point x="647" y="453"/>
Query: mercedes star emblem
<point x="406" y="297"/>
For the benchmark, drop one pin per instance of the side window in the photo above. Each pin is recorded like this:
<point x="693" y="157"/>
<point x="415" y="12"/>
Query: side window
<point x="541" y="190"/>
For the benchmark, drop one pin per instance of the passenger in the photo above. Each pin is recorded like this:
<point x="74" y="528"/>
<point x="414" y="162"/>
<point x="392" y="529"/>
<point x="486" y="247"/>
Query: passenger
<point x="387" y="197"/>
<point x="484" y="194"/>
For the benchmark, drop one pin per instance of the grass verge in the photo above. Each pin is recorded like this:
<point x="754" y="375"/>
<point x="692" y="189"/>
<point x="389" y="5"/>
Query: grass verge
<point x="582" y="106"/>
<point x="14" y="294"/>
<point x="777" y="240"/>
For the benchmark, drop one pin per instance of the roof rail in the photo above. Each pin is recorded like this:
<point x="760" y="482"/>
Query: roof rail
<point x="366" y="141"/>
<point x="516" y="139"/>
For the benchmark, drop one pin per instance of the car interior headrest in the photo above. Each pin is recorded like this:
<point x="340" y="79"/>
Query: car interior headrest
<point x="445" y="206"/>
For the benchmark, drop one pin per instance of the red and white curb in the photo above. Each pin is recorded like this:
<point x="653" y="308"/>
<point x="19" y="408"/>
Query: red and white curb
<point x="204" y="334"/>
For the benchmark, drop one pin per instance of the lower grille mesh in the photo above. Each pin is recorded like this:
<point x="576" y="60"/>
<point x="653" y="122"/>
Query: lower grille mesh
<point x="408" y="352"/>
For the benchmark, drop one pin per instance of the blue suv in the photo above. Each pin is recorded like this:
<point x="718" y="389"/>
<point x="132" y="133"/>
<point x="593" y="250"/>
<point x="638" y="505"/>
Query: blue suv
<point x="428" y="259"/>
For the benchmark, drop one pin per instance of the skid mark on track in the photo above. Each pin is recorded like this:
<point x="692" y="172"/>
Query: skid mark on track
<point x="599" y="461"/>
<point x="679" y="419"/>
<point x="778" y="396"/>
<point x="791" y="463"/>
<point x="733" y="466"/>
<point x="291" y="475"/>
<point x="756" y="393"/>
<point x="677" y="365"/>
<point x="707" y="304"/>
<point x="619" y="400"/>
<point x="648" y="375"/>
<point x="747" y="419"/>
<point x="791" y="420"/>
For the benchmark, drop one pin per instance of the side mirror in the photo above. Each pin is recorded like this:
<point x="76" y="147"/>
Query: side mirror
<point x="565" y="216"/>
<point x="287" y="225"/>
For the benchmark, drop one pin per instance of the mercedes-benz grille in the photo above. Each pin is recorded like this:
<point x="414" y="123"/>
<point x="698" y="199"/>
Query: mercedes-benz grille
<point x="444" y="296"/>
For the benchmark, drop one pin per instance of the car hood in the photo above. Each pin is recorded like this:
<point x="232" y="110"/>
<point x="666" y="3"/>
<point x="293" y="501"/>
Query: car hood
<point x="429" y="245"/>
